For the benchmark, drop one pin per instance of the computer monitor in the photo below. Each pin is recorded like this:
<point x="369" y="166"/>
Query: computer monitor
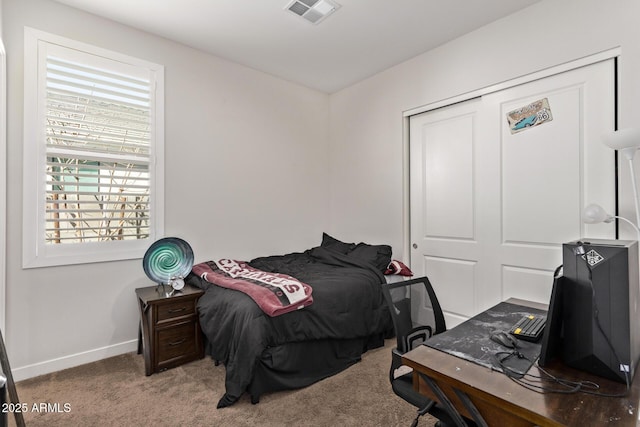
<point x="552" y="335"/>
<point x="593" y="313"/>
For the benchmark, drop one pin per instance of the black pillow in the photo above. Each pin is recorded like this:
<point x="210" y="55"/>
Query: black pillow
<point x="378" y="255"/>
<point x="332" y="243"/>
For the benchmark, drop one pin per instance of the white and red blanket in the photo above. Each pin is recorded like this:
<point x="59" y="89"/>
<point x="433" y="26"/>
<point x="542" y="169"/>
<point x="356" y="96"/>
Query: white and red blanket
<point x="275" y="293"/>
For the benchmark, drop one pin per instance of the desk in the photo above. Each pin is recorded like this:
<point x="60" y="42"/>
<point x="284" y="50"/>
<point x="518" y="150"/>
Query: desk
<point x="502" y="402"/>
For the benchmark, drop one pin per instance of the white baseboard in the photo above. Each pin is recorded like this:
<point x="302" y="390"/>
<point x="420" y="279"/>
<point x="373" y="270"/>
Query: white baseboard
<point x="30" y="371"/>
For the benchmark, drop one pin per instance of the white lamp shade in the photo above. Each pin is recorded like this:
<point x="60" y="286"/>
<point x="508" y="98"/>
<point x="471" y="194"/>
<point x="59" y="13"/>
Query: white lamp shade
<point x="594" y="214"/>
<point x="623" y="138"/>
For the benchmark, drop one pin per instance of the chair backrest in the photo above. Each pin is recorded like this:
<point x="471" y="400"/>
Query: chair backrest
<point x="415" y="311"/>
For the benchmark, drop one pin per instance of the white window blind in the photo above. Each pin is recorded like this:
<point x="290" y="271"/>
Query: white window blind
<point x="97" y="148"/>
<point x="99" y="144"/>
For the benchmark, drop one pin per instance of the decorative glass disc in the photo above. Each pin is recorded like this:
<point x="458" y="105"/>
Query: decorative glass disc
<point x="168" y="259"/>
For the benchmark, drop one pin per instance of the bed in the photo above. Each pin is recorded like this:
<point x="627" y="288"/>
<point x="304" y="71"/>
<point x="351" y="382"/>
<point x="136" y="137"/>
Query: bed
<point x="347" y="317"/>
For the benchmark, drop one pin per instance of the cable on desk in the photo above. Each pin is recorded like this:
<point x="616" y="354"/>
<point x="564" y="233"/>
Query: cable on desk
<point x="569" y="386"/>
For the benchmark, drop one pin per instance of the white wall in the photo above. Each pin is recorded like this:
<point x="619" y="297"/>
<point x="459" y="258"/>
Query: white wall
<point x="224" y="120"/>
<point x="366" y="121"/>
<point x="246" y="175"/>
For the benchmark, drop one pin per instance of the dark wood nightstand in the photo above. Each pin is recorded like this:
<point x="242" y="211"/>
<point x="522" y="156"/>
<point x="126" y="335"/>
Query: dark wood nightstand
<point x="170" y="332"/>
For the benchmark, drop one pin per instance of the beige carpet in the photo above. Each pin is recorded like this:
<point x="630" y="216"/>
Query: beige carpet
<point x="115" y="392"/>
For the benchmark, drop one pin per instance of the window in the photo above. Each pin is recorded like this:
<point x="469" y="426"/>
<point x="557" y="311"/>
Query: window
<point x="93" y="153"/>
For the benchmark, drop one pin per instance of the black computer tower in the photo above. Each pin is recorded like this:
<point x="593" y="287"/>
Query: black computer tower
<point x="600" y="317"/>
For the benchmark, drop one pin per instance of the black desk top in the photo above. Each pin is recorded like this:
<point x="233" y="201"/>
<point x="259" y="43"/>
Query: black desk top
<point x="471" y="340"/>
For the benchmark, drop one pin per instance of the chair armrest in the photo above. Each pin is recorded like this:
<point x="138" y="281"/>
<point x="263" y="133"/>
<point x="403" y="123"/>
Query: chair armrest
<point x="396" y="358"/>
<point x="396" y="362"/>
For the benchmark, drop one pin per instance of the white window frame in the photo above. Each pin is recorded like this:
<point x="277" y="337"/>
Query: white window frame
<point x="3" y="183"/>
<point x="35" y="252"/>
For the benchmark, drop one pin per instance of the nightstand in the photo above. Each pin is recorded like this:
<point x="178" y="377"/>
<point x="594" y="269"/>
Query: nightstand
<point x="170" y="332"/>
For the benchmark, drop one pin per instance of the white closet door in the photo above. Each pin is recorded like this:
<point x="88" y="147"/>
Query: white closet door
<point x="490" y="208"/>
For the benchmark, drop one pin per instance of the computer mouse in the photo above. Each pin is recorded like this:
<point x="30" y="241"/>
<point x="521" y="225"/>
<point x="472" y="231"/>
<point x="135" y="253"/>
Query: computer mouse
<point x="505" y="339"/>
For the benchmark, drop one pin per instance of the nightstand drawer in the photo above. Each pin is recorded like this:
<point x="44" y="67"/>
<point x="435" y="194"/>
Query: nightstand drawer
<point x="177" y="341"/>
<point x="169" y="333"/>
<point x="177" y="308"/>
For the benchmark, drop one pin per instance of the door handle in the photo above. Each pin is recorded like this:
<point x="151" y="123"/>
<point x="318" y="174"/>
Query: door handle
<point x="415" y="246"/>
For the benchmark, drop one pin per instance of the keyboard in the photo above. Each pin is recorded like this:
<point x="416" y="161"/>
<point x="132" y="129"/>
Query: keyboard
<point x="529" y="328"/>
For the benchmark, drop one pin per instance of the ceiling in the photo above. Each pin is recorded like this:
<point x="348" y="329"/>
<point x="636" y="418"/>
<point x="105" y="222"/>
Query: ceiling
<point x="362" y="38"/>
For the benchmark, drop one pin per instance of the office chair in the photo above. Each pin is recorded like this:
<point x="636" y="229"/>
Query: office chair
<point x="417" y="316"/>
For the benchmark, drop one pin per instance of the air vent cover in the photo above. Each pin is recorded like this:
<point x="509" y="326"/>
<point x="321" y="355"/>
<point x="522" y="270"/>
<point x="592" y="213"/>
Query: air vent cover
<point x="314" y="11"/>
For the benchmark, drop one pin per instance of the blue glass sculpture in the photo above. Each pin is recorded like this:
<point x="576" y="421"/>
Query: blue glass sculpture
<point x="168" y="261"/>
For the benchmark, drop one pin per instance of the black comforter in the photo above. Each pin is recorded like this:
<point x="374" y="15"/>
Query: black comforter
<point x="347" y="303"/>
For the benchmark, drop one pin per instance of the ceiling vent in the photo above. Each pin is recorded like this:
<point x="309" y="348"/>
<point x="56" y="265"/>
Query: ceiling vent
<point x="314" y="11"/>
